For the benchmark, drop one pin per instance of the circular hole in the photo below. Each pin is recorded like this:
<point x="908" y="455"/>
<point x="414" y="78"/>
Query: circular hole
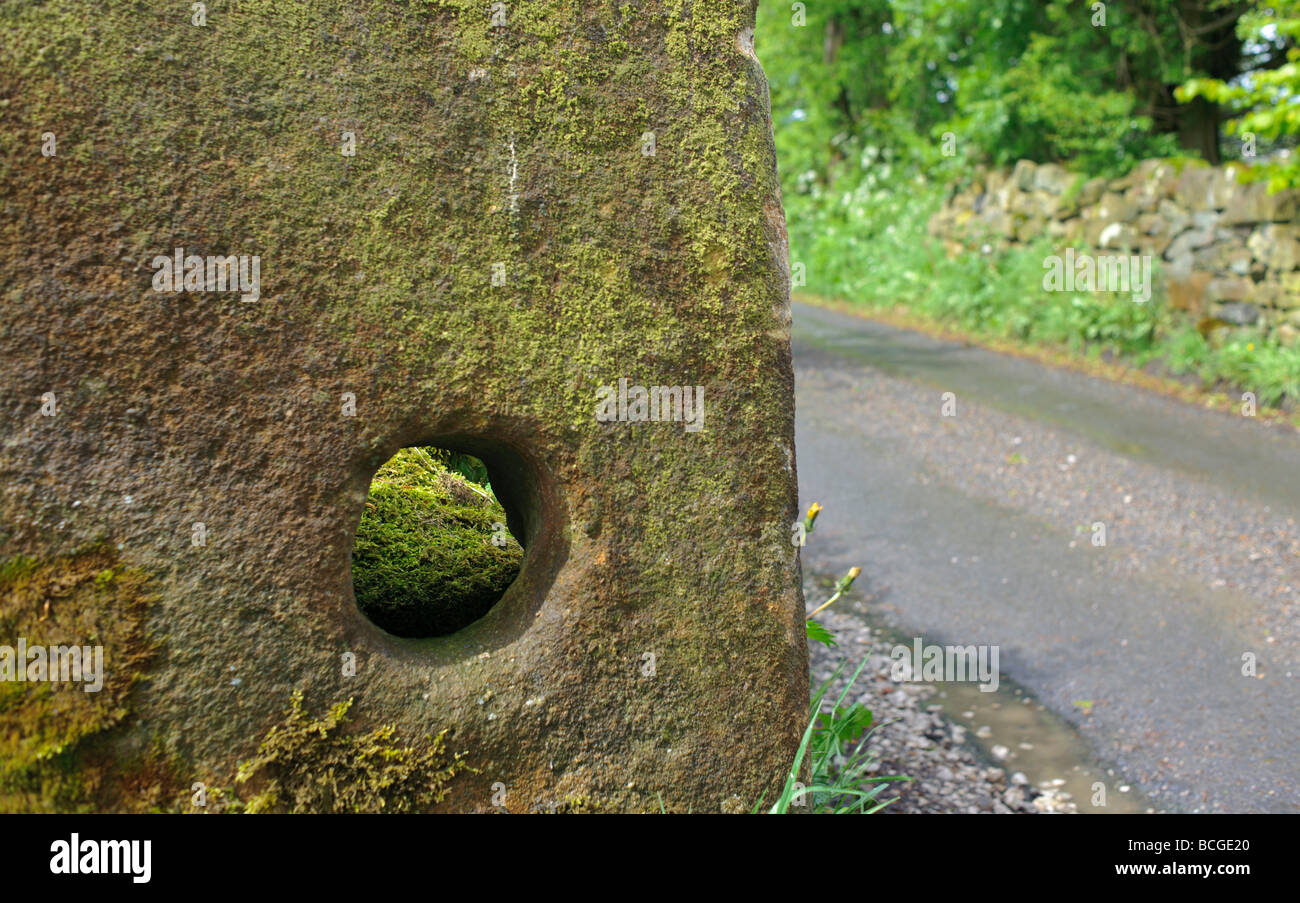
<point x="436" y="548"/>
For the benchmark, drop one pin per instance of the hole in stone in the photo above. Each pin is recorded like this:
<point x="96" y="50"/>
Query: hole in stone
<point x="436" y="548"/>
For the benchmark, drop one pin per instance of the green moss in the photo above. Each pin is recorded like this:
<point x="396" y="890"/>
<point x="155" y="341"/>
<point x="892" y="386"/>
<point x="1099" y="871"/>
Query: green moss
<point x="51" y="731"/>
<point x="577" y="805"/>
<point x="425" y="561"/>
<point x="311" y="765"/>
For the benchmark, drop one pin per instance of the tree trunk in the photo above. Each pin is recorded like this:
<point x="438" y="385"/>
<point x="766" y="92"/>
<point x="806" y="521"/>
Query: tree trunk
<point x="1198" y="129"/>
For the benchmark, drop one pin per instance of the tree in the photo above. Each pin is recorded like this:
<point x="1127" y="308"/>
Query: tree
<point x="1266" y="98"/>
<point x="1048" y="80"/>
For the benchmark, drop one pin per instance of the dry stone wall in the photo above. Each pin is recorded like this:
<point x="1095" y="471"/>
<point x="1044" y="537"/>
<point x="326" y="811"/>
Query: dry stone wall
<point x="1229" y="250"/>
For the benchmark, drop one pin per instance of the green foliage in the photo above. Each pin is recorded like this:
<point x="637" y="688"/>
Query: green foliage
<point x="838" y="761"/>
<point x="869" y="247"/>
<point x="425" y="563"/>
<point x="1245" y="360"/>
<point x="819" y="634"/>
<point x="1045" y="108"/>
<point x="1268" y="100"/>
<point x="1005" y="79"/>
<point x="836" y="740"/>
<point x="814" y="630"/>
<point x="312" y="765"/>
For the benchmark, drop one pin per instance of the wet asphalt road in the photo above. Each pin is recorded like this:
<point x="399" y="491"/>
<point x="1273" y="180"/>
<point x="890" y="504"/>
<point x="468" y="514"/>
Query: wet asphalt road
<point x="977" y="529"/>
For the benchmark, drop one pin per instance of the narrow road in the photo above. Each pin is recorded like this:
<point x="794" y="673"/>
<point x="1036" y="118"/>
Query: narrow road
<point x="978" y="529"/>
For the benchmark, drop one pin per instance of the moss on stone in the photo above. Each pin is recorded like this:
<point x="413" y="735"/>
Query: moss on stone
<point x="312" y="765"/>
<point x="51" y="731"/>
<point x="425" y="561"/>
<point x="475" y="145"/>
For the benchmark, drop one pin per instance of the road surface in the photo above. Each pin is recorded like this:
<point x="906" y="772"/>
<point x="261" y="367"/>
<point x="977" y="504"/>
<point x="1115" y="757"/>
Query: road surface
<point x="978" y="528"/>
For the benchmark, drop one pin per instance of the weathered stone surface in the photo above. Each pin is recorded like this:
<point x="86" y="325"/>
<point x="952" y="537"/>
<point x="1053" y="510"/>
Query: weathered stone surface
<point x="1189" y="241"/>
<point x="1223" y="257"/>
<point x="1143" y="199"/>
<point x="1238" y="313"/>
<point x="1229" y="288"/>
<point x="998" y="222"/>
<point x="1290" y="295"/>
<point x="1117" y="235"/>
<point x="618" y="164"/>
<point x="1059" y="228"/>
<point x="1031" y="228"/>
<point x="1092" y="191"/>
<point x="1205" y="219"/>
<point x="1153" y="233"/>
<point x="1269" y="294"/>
<point x="1223" y="186"/>
<point x="1187" y="290"/>
<point x="1201" y="187"/>
<point x="1114" y="207"/>
<point x="1253" y="204"/>
<point x="1276" y="246"/>
<point x="1027" y="204"/>
<point x="1053" y="178"/>
<point x="1022" y="176"/>
<point x="1151" y="184"/>
<point x="1195" y="187"/>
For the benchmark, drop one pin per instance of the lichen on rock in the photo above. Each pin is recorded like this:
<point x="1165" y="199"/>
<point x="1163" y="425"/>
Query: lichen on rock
<point x="313" y="765"/>
<point x="52" y="730"/>
<point x="381" y="323"/>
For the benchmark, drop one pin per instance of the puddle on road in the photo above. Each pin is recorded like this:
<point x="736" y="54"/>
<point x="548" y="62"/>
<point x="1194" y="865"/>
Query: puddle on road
<point x="1038" y="742"/>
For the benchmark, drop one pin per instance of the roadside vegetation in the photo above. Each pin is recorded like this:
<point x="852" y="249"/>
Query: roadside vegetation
<point x="868" y="248"/>
<point x="881" y="105"/>
<point x="834" y="744"/>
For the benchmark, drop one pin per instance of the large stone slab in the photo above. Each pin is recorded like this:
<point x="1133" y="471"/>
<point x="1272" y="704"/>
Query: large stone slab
<point x="468" y="218"/>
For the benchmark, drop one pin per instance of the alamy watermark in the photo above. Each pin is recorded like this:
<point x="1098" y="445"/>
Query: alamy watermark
<point x="76" y="664"/>
<point x="1108" y="273"/>
<point x="103" y="857"/>
<point x="193" y="273"/>
<point x="947" y="664"/>
<point x="636" y="404"/>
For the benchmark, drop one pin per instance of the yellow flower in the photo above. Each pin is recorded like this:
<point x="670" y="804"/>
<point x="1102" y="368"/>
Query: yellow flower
<point x="811" y="517"/>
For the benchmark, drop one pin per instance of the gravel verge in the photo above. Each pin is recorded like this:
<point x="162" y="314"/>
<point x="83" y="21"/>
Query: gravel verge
<point x="913" y="737"/>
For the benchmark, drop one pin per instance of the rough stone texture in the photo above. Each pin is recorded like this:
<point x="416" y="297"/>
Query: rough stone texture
<point x="523" y="145"/>
<point x="1221" y="239"/>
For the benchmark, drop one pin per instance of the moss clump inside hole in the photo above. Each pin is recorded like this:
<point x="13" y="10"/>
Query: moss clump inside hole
<point x="432" y="553"/>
